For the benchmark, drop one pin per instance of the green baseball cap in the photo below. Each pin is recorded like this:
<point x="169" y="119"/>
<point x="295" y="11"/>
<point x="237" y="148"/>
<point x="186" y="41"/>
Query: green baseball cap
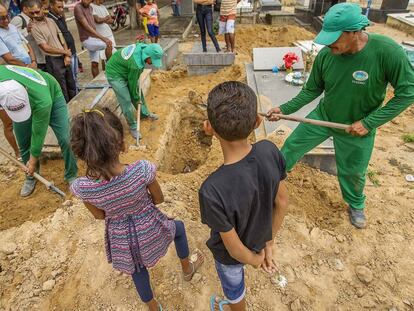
<point x="153" y="51"/>
<point x="341" y="17"/>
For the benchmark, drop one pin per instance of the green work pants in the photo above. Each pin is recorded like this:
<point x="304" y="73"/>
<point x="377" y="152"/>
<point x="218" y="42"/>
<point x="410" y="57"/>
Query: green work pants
<point x="123" y="96"/>
<point x="352" y="154"/>
<point x="59" y="122"/>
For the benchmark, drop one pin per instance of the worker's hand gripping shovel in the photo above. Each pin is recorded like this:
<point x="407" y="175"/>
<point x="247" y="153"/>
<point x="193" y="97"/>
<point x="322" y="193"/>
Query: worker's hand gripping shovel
<point x="49" y="185"/>
<point x="265" y="102"/>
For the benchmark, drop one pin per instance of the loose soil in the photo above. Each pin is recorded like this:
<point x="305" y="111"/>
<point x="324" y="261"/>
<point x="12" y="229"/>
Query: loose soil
<point x="52" y="252"/>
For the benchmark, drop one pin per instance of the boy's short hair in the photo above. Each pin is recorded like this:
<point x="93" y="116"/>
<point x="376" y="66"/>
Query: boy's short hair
<point x="232" y="110"/>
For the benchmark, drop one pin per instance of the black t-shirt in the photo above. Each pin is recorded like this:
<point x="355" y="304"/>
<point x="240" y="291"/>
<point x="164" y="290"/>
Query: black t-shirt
<point x="241" y="196"/>
<point x="63" y="27"/>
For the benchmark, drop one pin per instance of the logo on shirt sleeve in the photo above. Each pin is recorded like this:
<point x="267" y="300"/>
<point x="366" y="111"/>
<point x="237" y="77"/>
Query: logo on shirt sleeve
<point x="360" y="77"/>
<point x="127" y="51"/>
<point x="28" y="73"/>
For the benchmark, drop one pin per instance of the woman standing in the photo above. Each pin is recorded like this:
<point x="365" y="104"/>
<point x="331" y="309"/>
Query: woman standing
<point x="204" y="13"/>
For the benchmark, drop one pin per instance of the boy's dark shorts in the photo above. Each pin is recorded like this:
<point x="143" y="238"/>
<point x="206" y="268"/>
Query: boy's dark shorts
<point x="153" y="30"/>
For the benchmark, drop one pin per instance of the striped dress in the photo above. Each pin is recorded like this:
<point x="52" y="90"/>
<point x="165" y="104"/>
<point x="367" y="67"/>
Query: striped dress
<point x="137" y="234"/>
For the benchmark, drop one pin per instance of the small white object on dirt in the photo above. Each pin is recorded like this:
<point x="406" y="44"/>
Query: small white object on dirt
<point x="364" y="274"/>
<point x="48" y="285"/>
<point x="295" y="305"/>
<point x="196" y="278"/>
<point x="8" y="248"/>
<point x="409" y="178"/>
<point x="279" y="280"/>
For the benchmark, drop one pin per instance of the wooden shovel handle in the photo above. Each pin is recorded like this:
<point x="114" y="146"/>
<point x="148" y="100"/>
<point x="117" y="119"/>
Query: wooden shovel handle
<point x="310" y="121"/>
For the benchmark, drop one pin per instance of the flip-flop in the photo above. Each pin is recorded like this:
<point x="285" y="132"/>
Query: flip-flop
<point x="221" y="302"/>
<point x="195" y="265"/>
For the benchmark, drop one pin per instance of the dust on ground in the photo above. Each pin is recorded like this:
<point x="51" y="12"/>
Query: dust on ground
<point x="52" y="252"/>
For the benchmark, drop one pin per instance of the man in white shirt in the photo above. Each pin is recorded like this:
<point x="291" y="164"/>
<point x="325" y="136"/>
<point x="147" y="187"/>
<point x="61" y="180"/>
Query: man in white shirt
<point x="103" y="19"/>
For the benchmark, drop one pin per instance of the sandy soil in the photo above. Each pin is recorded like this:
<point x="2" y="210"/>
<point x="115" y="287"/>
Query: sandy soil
<point x="52" y="255"/>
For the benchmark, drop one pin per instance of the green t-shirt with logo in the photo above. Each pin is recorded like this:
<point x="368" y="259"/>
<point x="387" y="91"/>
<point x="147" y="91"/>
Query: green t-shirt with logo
<point x="43" y="90"/>
<point x="355" y="85"/>
<point x="122" y="66"/>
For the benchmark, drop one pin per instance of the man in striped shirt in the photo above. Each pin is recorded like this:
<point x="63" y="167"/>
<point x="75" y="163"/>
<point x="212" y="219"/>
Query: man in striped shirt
<point x="227" y="21"/>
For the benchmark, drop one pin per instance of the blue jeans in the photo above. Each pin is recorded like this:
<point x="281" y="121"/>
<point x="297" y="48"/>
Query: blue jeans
<point x="232" y="281"/>
<point x="204" y="15"/>
<point x="141" y="278"/>
<point x="74" y="64"/>
<point x="176" y="8"/>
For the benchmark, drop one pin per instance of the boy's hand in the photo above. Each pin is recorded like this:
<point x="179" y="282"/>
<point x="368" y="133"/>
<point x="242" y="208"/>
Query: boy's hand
<point x="269" y="264"/>
<point x="258" y="258"/>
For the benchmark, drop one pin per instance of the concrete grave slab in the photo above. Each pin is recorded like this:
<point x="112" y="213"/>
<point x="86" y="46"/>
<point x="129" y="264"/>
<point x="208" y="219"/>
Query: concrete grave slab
<point x="278" y="91"/>
<point x="199" y="63"/>
<point x="270" y="5"/>
<point x="267" y="58"/>
<point x="177" y="26"/>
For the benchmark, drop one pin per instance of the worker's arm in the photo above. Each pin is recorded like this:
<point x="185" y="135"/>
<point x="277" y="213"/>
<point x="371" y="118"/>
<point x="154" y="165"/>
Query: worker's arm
<point x="239" y="251"/>
<point x="400" y="74"/>
<point x="310" y="91"/>
<point x="155" y="191"/>
<point x="134" y="74"/>
<point x="96" y="212"/>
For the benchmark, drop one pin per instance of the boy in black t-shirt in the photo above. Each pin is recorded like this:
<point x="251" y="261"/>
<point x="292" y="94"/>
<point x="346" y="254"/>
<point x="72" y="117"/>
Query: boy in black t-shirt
<point x="245" y="200"/>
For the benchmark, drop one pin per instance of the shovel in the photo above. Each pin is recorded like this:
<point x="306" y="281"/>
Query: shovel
<point x="267" y="102"/>
<point x="49" y="185"/>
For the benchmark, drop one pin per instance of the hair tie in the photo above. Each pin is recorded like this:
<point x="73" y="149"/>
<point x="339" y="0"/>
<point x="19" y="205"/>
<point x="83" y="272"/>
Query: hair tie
<point x="94" y="110"/>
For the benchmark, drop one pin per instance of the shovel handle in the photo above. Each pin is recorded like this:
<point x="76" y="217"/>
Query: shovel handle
<point x="310" y="121"/>
<point x="44" y="181"/>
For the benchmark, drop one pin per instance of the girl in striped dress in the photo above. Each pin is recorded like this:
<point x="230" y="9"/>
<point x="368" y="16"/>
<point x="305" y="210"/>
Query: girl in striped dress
<point x="137" y="233"/>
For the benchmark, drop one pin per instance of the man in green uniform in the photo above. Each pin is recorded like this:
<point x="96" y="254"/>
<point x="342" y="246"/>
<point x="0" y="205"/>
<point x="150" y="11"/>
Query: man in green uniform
<point x="353" y="72"/>
<point x="123" y="71"/>
<point x="33" y="100"/>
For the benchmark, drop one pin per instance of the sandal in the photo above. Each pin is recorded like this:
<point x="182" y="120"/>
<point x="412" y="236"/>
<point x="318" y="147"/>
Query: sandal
<point x="196" y="260"/>
<point x="217" y="300"/>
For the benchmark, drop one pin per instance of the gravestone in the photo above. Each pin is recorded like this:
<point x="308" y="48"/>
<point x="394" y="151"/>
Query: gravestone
<point x="267" y="58"/>
<point x="199" y="63"/>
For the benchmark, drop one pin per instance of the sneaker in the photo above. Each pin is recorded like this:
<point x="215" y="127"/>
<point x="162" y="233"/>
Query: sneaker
<point x="357" y="217"/>
<point x="153" y="116"/>
<point x="28" y="187"/>
<point x="135" y="133"/>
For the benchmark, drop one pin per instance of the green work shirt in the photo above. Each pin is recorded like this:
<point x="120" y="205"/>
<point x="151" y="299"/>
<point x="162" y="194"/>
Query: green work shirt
<point x="43" y="90"/>
<point x="122" y="66"/>
<point x="355" y="84"/>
